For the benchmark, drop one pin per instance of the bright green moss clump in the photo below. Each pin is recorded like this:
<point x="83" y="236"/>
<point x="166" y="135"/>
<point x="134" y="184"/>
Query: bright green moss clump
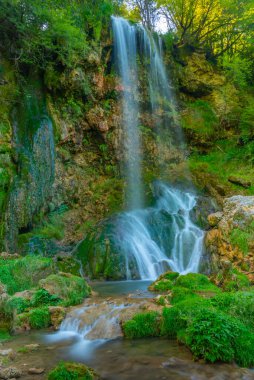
<point x="196" y="282"/>
<point x="24" y="273"/>
<point x="215" y="325"/>
<point x="72" y="371"/>
<point x="143" y="325"/>
<point x="39" y="318"/>
<point x="71" y="290"/>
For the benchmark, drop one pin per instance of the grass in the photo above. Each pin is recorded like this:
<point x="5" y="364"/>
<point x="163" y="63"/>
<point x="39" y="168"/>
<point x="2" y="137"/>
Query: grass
<point x="71" y="371"/>
<point x="225" y="160"/>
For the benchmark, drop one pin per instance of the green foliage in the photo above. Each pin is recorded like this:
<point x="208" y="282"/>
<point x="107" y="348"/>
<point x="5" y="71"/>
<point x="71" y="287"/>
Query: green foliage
<point x="239" y="305"/>
<point x="71" y="371"/>
<point x="4" y="335"/>
<point x="16" y="304"/>
<point x="71" y="290"/>
<point x="39" y="318"/>
<point x="200" y="118"/>
<point x="163" y="286"/>
<point x="214" y="336"/>
<point x="180" y="293"/>
<point x="240" y="239"/>
<point x="196" y="282"/>
<point x="238" y="69"/>
<point x="43" y="297"/>
<point x="142" y="325"/>
<point x="236" y="281"/>
<point x="22" y="274"/>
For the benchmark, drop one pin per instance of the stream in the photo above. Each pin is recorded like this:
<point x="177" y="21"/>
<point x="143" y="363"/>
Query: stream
<point x="91" y="334"/>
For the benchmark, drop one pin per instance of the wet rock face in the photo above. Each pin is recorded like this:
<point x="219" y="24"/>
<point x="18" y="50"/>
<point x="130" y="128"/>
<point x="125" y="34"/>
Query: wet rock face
<point x="232" y="237"/>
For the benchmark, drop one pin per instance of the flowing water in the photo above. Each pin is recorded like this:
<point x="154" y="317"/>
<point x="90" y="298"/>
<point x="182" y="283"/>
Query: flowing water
<point x="162" y="237"/>
<point x="91" y="334"/>
<point x="125" y="46"/>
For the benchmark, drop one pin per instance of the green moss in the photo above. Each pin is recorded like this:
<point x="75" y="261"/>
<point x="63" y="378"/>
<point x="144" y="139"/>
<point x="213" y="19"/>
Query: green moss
<point x="241" y="239"/>
<point x="43" y="297"/>
<point x="24" y="273"/>
<point x="16" y="305"/>
<point x="71" y="371"/>
<point x="164" y="283"/>
<point x="180" y="293"/>
<point x="214" y="336"/>
<point x="4" y="335"/>
<point x="239" y="305"/>
<point x="71" y="290"/>
<point x="196" y="282"/>
<point x="39" y="318"/>
<point x="236" y="281"/>
<point x="142" y="325"/>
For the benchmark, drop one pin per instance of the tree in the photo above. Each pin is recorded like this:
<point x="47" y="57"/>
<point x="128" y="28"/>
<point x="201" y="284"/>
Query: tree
<point x="147" y="10"/>
<point x="217" y="25"/>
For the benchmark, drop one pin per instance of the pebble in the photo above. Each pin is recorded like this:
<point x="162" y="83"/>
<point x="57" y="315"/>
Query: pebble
<point x="36" y="371"/>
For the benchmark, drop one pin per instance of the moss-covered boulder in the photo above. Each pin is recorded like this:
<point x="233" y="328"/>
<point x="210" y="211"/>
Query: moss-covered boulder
<point x="24" y="273"/>
<point x="71" y="290"/>
<point x="70" y="371"/>
<point x="164" y="282"/>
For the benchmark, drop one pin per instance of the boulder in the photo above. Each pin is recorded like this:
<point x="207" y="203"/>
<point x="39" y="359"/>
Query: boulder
<point x="214" y="219"/>
<point x="232" y="238"/>
<point x="57" y="315"/>
<point x="10" y="373"/>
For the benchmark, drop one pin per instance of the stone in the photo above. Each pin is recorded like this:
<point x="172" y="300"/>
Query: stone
<point x="214" y="219"/>
<point x="9" y="373"/>
<point x="6" y="352"/>
<point x="32" y="347"/>
<point x="57" y="315"/>
<point x="36" y="371"/>
<point x="239" y="181"/>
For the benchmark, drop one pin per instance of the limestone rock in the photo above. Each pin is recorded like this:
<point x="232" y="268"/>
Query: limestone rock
<point x="36" y="371"/>
<point x="214" y="219"/>
<point x="57" y="314"/>
<point x="231" y="239"/>
<point x="9" y="373"/>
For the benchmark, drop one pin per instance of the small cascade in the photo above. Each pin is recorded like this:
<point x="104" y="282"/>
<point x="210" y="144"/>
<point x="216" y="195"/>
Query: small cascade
<point x="162" y="237"/>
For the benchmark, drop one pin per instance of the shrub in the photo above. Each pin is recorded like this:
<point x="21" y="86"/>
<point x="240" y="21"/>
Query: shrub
<point x="39" y="318"/>
<point x="215" y="336"/>
<point x="43" y="297"/>
<point x="16" y="304"/>
<point x="142" y="325"/>
<point x="71" y="371"/>
<point x="239" y="305"/>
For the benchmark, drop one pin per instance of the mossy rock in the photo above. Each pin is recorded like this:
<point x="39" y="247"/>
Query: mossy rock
<point x="68" y="265"/>
<point x="71" y="290"/>
<point x="24" y="273"/>
<point x="164" y="283"/>
<point x="197" y="282"/>
<point x="72" y="371"/>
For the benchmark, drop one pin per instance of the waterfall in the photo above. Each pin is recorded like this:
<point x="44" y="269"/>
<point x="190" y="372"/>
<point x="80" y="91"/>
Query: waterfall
<point x="163" y="237"/>
<point x="125" y="44"/>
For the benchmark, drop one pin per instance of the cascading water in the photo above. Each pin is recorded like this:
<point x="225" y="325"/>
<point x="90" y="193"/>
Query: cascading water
<point x="125" y="44"/>
<point x="163" y="237"/>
